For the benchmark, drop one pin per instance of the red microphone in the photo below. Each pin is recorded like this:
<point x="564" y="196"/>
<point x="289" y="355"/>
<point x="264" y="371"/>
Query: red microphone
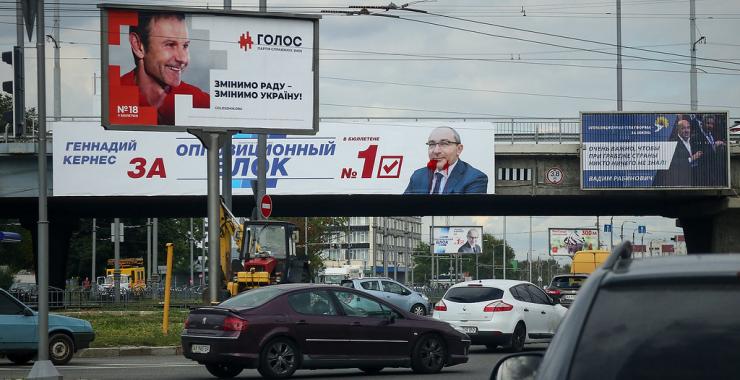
<point x="432" y="165"/>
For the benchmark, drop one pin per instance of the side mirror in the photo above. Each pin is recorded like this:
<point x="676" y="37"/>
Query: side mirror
<point x="553" y="301"/>
<point x="518" y="366"/>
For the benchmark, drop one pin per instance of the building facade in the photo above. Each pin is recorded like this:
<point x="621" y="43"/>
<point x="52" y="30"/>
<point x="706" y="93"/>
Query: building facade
<point x="379" y="245"/>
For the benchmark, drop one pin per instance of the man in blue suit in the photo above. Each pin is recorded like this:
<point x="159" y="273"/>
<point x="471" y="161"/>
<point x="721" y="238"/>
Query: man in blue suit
<point x="446" y="173"/>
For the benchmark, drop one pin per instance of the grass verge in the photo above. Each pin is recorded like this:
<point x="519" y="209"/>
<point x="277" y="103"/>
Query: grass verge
<point x="133" y="328"/>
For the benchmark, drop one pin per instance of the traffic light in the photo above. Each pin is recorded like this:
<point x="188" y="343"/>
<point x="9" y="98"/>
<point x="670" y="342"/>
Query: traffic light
<point x="15" y="88"/>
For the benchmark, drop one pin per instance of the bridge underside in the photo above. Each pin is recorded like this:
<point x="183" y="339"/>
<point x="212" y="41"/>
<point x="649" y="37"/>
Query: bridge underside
<point x="633" y="203"/>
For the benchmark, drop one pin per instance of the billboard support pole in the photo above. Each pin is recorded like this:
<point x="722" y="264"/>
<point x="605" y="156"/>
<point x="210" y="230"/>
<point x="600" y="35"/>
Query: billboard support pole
<point x="213" y="217"/>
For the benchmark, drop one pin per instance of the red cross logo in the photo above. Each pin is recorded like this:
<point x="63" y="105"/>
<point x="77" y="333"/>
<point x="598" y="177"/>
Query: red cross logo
<point x="245" y="42"/>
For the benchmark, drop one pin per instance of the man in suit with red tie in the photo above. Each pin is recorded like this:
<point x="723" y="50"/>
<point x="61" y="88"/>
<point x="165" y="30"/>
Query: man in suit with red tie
<point x="446" y="173"/>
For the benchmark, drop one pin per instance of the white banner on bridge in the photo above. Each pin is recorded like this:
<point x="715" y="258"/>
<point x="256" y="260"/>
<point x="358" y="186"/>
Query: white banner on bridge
<point x="346" y="157"/>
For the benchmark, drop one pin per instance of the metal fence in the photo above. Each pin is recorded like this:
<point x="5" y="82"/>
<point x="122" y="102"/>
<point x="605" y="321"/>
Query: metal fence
<point x="80" y="298"/>
<point x="507" y="130"/>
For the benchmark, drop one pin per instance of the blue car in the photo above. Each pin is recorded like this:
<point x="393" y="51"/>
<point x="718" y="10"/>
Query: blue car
<point x="19" y="333"/>
<point x="393" y="292"/>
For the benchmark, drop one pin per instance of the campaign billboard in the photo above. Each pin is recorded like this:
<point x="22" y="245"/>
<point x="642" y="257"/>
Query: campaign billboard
<point x="567" y="241"/>
<point x="458" y="239"/>
<point x="346" y="157"/>
<point x="654" y="150"/>
<point x="173" y="69"/>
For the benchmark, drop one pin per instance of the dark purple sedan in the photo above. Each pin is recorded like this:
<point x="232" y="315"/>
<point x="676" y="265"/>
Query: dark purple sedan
<point x="281" y="328"/>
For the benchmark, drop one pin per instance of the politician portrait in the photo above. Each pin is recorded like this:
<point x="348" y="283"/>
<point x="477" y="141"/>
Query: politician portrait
<point x="446" y="173"/>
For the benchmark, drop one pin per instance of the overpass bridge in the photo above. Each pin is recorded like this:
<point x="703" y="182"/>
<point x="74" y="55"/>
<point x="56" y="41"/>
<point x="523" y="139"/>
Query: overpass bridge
<point x="710" y="218"/>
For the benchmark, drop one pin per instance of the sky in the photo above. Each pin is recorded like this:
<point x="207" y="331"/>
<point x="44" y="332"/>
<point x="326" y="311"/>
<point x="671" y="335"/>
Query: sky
<point x="469" y="58"/>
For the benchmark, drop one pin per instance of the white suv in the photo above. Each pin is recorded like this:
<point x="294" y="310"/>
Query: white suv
<point x="501" y="312"/>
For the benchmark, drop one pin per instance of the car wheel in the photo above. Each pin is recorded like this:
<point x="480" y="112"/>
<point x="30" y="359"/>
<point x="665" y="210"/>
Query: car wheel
<point x="224" y="370"/>
<point x="518" y="338"/>
<point x="371" y="370"/>
<point x="21" y="358"/>
<point x="419" y="309"/>
<point x="61" y="349"/>
<point x="279" y="359"/>
<point x="429" y="355"/>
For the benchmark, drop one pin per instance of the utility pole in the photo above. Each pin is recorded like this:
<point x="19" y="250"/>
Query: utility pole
<point x="611" y="234"/>
<point x="149" y="249"/>
<point x="692" y="25"/>
<point x="431" y="249"/>
<point x="42" y="367"/>
<point x="619" y="55"/>
<point x="116" y="259"/>
<point x="192" y="241"/>
<point x="504" y="255"/>
<point x="57" y="67"/>
<point x="93" y="279"/>
<point x="529" y="254"/>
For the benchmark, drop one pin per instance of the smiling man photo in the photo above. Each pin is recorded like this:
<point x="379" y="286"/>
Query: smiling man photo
<point x="160" y="46"/>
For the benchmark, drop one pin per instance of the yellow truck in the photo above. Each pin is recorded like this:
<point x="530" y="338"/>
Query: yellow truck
<point x="587" y="261"/>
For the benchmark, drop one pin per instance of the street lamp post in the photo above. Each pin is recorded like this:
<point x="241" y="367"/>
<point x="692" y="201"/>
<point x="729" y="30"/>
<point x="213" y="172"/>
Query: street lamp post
<point x="621" y="231"/>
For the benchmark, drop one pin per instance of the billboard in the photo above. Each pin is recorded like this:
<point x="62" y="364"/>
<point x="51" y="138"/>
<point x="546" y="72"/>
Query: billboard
<point x="173" y="69"/>
<point x="458" y="239"/>
<point x="567" y="241"/>
<point x="654" y="150"/>
<point x="346" y="157"/>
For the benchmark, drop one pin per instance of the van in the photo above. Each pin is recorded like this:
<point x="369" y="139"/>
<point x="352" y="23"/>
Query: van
<point x="587" y="261"/>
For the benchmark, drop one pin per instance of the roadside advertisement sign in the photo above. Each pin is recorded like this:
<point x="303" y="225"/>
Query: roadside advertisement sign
<point x="173" y="69"/>
<point x="567" y="241"/>
<point x="654" y="150"/>
<point x="458" y="239"/>
<point x="376" y="157"/>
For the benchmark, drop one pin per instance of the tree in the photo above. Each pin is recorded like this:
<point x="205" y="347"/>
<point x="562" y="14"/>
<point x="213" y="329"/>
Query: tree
<point x="320" y="231"/>
<point x="6" y="105"/>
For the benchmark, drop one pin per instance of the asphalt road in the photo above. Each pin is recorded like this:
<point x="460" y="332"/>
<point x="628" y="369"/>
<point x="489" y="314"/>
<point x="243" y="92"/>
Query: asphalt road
<point x="177" y="367"/>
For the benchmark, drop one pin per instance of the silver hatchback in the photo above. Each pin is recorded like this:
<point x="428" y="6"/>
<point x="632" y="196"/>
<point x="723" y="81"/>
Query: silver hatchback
<point x="393" y="292"/>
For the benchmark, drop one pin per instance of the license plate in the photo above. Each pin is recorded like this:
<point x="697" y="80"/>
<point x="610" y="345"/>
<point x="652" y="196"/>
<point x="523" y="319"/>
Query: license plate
<point x="569" y="297"/>
<point x="470" y="330"/>
<point x="200" y="348"/>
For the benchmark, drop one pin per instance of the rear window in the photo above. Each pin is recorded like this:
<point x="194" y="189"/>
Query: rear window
<point x="469" y="294"/>
<point x="665" y="331"/>
<point x="253" y="298"/>
<point x="568" y="282"/>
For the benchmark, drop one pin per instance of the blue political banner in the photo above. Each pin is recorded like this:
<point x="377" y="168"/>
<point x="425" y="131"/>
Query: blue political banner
<point x="654" y="150"/>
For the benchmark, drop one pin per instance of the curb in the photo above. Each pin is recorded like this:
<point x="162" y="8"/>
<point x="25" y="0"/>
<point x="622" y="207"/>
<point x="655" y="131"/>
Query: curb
<point x="128" y="351"/>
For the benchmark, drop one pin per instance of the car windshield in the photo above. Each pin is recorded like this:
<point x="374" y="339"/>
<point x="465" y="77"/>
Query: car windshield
<point x="665" y="331"/>
<point x="470" y="294"/>
<point x="253" y="298"/>
<point x="568" y="282"/>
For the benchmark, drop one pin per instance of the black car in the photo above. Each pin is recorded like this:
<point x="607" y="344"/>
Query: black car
<point x="672" y="317"/>
<point x="281" y="328"/>
<point x="563" y="288"/>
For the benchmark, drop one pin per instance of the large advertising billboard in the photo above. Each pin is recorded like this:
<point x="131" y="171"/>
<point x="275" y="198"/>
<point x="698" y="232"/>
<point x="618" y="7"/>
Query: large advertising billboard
<point x="173" y="69"/>
<point x="654" y="150"/>
<point x="568" y="241"/>
<point x="346" y="157"/>
<point x="458" y="239"/>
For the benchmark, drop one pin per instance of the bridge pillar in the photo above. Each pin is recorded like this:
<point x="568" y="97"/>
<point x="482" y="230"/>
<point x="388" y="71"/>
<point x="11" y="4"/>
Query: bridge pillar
<point x="60" y="233"/>
<point x="716" y="233"/>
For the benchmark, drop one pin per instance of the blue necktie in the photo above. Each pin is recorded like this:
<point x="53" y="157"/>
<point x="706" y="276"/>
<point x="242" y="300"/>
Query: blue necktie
<point x="437" y="182"/>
